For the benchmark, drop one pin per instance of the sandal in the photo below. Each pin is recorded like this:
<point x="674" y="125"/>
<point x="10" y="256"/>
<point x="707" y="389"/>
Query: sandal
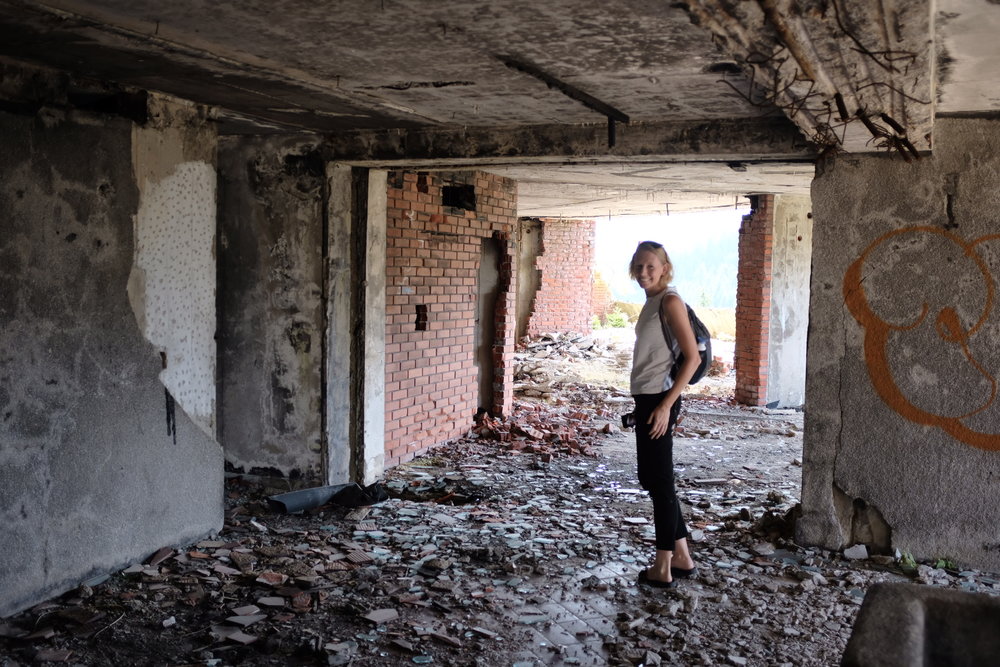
<point x="655" y="583"/>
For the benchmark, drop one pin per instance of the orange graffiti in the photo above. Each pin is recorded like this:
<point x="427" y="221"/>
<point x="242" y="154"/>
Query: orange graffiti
<point x="947" y="326"/>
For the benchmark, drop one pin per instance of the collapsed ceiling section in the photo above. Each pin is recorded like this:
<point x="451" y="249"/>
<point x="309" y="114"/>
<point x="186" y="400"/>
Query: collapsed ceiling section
<point x="521" y="85"/>
<point x="853" y="75"/>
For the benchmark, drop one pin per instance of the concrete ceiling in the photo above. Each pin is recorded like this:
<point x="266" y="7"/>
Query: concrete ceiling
<point x="623" y="106"/>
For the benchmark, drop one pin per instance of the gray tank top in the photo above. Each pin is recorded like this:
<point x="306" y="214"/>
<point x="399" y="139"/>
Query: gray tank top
<point x="651" y="358"/>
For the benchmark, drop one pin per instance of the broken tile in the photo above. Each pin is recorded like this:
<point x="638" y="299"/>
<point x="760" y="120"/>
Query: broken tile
<point x="53" y="655"/>
<point x="212" y="544"/>
<point x="359" y="557"/>
<point x="160" y="556"/>
<point x="358" y="513"/>
<point x="246" y="620"/>
<point x="272" y="578"/>
<point x="379" y="616"/>
<point x="247" y="610"/>
<point x="271" y="602"/>
<point x="242" y="638"/>
<point x="446" y="639"/>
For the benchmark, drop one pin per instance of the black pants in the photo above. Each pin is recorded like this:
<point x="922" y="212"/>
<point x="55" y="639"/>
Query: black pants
<point x="656" y="471"/>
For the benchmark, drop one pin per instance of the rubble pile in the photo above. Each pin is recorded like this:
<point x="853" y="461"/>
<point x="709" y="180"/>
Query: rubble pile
<point x="536" y="428"/>
<point x="519" y="544"/>
<point x="545" y="365"/>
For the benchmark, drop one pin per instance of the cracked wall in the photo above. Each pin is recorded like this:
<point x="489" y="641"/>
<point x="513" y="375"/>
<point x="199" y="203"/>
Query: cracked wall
<point x="902" y="360"/>
<point x="90" y="478"/>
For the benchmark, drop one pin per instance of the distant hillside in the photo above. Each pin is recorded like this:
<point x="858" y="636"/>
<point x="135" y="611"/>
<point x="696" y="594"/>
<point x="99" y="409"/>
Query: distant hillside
<point x="721" y="322"/>
<point x="703" y="248"/>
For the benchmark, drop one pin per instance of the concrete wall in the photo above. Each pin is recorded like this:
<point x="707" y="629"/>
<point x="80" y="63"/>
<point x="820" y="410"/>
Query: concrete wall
<point x="99" y="466"/>
<point x="565" y="265"/>
<point x="271" y="309"/>
<point x="902" y="441"/>
<point x="791" y="255"/>
<point x="433" y="253"/>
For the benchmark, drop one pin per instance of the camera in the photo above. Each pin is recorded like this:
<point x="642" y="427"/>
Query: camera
<point x="628" y="420"/>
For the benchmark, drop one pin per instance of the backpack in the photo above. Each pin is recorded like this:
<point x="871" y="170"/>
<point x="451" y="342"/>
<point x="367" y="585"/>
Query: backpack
<point x="701" y="336"/>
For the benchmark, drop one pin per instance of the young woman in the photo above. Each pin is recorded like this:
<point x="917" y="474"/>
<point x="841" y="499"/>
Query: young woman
<point x="657" y="404"/>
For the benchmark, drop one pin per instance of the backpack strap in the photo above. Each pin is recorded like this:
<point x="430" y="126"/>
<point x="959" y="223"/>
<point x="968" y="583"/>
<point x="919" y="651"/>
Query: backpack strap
<point x="668" y="335"/>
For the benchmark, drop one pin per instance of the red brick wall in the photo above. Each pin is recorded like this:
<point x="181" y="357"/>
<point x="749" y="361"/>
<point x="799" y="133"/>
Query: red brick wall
<point x="601" y="298"/>
<point x="566" y="264"/>
<point x="432" y="260"/>
<point x="753" y="301"/>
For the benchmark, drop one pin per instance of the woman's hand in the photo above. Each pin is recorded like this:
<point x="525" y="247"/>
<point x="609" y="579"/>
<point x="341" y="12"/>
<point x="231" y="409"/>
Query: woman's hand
<point x="659" y="420"/>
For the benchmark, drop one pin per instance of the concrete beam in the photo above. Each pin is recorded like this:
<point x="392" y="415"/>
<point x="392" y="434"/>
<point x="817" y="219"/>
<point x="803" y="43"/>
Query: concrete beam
<point x="445" y="148"/>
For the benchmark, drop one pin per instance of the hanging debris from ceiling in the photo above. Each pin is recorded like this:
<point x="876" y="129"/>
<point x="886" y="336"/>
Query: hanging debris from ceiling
<point x="853" y="75"/>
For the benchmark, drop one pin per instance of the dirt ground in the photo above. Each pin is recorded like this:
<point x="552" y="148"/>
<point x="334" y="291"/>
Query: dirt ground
<point x="519" y="544"/>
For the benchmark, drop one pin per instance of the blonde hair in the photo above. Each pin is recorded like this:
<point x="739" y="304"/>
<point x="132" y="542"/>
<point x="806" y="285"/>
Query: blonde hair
<point x="661" y="252"/>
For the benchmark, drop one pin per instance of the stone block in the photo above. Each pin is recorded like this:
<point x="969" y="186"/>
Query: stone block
<point x="910" y="625"/>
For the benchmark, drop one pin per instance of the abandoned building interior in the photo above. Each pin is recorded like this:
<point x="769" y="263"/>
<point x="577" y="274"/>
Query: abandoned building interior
<point x="302" y="240"/>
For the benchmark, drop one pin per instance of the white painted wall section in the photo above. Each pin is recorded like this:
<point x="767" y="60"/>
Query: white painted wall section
<point x="172" y="284"/>
<point x="791" y="259"/>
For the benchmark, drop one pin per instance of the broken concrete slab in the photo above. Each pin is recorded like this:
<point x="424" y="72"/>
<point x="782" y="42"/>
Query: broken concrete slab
<point x="906" y="624"/>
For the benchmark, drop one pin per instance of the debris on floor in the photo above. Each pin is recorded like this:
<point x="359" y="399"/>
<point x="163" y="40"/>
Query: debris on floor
<point x="519" y="544"/>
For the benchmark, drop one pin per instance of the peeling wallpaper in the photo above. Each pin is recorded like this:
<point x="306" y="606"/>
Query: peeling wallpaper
<point x="172" y="285"/>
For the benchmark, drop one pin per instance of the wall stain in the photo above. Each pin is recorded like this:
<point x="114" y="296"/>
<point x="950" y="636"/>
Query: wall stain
<point x="947" y="325"/>
<point x="171" y="415"/>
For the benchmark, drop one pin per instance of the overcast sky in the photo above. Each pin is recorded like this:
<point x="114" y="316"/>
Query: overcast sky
<point x="702" y="247"/>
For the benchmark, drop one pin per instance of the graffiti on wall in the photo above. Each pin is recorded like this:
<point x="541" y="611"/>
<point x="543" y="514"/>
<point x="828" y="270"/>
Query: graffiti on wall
<point x="924" y="297"/>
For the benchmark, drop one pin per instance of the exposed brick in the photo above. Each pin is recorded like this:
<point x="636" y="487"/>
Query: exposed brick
<point x="753" y="302"/>
<point x="565" y="263"/>
<point x="433" y="260"/>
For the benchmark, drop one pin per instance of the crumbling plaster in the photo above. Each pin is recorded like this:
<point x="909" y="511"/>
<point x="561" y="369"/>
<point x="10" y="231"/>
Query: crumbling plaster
<point x="898" y="415"/>
<point x="90" y="477"/>
<point x="172" y="283"/>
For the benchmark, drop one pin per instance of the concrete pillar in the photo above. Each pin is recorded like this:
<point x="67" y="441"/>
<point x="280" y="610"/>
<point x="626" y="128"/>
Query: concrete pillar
<point x="902" y="440"/>
<point x="355" y="340"/>
<point x="371" y="454"/>
<point x="789" y="309"/>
